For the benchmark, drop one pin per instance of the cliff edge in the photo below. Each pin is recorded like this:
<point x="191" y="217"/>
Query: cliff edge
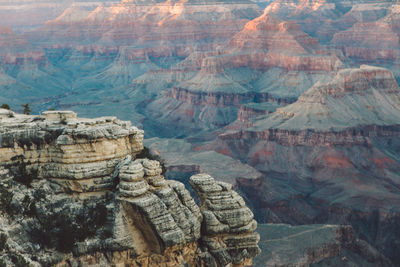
<point x="77" y="191"/>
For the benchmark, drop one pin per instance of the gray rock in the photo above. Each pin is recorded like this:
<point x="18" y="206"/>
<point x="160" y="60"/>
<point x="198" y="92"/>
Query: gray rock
<point x="73" y="193"/>
<point x="225" y="215"/>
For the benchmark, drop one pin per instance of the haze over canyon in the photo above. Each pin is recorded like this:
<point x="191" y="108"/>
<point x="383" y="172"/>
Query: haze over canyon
<point x="293" y="104"/>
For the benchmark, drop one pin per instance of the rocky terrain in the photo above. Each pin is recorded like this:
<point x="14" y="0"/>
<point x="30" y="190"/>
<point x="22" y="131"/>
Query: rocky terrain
<point x="330" y="157"/>
<point x="315" y="245"/>
<point x="270" y="96"/>
<point x="79" y="192"/>
<point x="382" y="47"/>
<point x="265" y="49"/>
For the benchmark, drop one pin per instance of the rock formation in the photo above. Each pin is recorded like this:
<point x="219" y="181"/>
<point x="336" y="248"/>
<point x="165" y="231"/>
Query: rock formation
<point x="222" y="224"/>
<point x="315" y="245"/>
<point x="214" y="83"/>
<point x="266" y="48"/>
<point x="337" y="149"/>
<point x="78" y="191"/>
<point x="372" y="41"/>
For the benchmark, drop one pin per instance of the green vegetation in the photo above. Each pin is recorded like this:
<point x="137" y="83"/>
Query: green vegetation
<point x="63" y="230"/>
<point x="5" y="199"/>
<point x="21" y="173"/>
<point x="18" y="260"/>
<point x="3" y="240"/>
<point x="5" y="106"/>
<point x="27" y="109"/>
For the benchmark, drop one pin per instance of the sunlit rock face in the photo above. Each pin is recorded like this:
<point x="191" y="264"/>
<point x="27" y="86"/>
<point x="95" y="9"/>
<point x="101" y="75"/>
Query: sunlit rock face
<point x="160" y="28"/>
<point x="374" y="41"/>
<point x="322" y="19"/>
<point x="336" y="152"/>
<point x="278" y="62"/>
<point x="80" y="191"/>
<point x="27" y="15"/>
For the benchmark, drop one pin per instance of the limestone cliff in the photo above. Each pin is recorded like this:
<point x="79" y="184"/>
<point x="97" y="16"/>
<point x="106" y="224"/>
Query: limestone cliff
<point x="79" y="192"/>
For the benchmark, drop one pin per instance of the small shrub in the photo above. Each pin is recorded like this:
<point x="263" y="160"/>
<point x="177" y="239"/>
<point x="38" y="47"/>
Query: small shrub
<point x="18" y="260"/>
<point x="2" y="263"/>
<point x="27" y="109"/>
<point x="3" y="240"/>
<point x="21" y="174"/>
<point x="5" y="199"/>
<point x="5" y="106"/>
<point x="62" y="231"/>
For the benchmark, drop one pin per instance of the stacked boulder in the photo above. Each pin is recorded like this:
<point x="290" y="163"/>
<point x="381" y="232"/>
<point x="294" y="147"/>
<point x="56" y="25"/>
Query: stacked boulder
<point x="228" y="227"/>
<point x="75" y="192"/>
<point x="166" y="205"/>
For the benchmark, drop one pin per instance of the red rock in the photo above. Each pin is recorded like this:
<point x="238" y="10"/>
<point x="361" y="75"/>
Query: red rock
<point x="372" y="41"/>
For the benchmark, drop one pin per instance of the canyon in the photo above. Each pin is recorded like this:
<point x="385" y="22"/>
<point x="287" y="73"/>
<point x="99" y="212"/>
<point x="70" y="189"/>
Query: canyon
<point x="294" y="103"/>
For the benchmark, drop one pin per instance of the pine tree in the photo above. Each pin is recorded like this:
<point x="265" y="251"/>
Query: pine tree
<point x="27" y="109"/>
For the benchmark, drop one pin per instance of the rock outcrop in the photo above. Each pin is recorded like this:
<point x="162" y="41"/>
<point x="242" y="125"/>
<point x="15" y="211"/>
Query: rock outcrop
<point x="372" y="41"/>
<point x="78" y="191"/>
<point x="335" y="151"/>
<point x="222" y="225"/>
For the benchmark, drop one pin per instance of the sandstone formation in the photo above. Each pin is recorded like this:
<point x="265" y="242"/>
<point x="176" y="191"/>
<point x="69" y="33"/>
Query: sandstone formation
<point x="335" y="151"/>
<point x="221" y="224"/>
<point x="220" y="87"/>
<point x="324" y="18"/>
<point x="372" y="41"/>
<point x="77" y="191"/>
<point x="163" y="27"/>
<point x="266" y="48"/>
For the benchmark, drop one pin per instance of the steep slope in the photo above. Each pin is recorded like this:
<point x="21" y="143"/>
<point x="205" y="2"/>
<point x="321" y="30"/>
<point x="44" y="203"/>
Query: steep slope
<point x="269" y="60"/>
<point x="353" y="99"/>
<point x="315" y="245"/>
<point x="165" y="27"/>
<point x="96" y="53"/>
<point x="78" y="191"/>
<point x="373" y="42"/>
<point x="323" y="18"/>
<point x="336" y="154"/>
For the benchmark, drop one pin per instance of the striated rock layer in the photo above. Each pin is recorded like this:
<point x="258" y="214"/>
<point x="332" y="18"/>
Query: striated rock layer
<point x="80" y="192"/>
<point x="335" y="152"/>
<point x="315" y="245"/>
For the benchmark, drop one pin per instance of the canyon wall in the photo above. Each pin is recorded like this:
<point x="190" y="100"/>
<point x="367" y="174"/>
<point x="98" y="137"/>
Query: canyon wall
<point x="80" y="191"/>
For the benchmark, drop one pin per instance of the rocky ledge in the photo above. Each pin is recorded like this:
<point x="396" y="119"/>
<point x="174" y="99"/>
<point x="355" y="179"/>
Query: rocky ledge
<point x="81" y="192"/>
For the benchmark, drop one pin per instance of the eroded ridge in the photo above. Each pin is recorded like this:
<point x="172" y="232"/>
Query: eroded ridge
<point x="79" y="191"/>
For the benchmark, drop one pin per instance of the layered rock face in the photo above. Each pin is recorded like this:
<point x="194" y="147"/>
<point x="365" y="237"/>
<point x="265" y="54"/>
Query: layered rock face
<point x="176" y="24"/>
<point x="374" y="41"/>
<point x="315" y="245"/>
<point x="323" y="19"/>
<point x="221" y="224"/>
<point x="78" y="191"/>
<point x="335" y="151"/>
<point x="243" y="72"/>
<point x="283" y="44"/>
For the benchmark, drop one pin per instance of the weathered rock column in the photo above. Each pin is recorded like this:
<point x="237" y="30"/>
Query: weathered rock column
<point x="228" y="228"/>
